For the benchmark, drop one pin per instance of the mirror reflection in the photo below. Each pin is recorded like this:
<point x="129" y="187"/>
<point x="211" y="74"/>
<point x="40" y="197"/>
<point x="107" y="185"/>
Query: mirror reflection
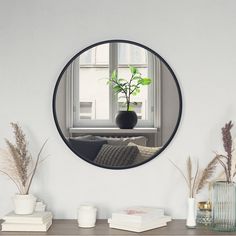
<point x="117" y="104"/>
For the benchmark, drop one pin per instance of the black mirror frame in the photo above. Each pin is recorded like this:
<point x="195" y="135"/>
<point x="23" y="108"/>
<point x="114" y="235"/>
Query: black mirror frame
<point x="118" y="41"/>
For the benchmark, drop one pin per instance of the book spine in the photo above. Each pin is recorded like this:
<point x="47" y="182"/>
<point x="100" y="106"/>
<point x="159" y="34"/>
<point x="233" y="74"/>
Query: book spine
<point x="138" y="220"/>
<point x="136" y="229"/>
<point x="140" y="224"/>
<point x="27" y="221"/>
<point x="25" y="227"/>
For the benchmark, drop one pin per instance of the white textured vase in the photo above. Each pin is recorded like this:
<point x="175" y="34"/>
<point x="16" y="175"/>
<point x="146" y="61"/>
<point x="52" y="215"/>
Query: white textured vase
<point x="24" y="204"/>
<point x="191" y="216"/>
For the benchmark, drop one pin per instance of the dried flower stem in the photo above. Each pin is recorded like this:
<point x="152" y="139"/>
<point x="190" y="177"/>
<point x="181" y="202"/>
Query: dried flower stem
<point x="194" y="186"/>
<point x="5" y="173"/>
<point x="189" y="179"/>
<point x="35" y="167"/>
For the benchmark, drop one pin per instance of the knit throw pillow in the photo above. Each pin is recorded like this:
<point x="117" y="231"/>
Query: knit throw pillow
<point x="116" y="156"/>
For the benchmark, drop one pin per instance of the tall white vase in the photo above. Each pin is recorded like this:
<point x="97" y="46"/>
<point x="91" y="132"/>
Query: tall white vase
<point x="191" y="217"/>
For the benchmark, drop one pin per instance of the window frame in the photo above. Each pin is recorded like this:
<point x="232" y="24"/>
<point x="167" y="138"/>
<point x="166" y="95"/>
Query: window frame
<point x="154" y="92"/>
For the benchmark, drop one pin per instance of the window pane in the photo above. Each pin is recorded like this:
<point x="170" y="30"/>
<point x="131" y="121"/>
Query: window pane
<point x="95" y="56"/>
<point x="102" y="54"/>
<point x="130" y="54"/>
<point x="93" y="90"/>
<point x="86" y="111"/>
<point x="87" y="57"/>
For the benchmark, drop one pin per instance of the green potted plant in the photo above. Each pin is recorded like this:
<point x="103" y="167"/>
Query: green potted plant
<point x="127" y="88"/>
<point x="17" y="163"/>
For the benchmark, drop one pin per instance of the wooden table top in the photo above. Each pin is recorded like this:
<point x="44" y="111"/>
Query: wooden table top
<point x="70" y="228"/>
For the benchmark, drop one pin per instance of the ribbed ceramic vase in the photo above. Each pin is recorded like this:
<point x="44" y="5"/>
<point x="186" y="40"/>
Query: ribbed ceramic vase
<point x="224" y="206"/>
<point x="24" y="204"/>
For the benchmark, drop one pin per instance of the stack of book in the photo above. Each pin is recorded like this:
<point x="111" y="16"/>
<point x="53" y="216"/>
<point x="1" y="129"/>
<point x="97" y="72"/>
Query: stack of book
<point x="138" y="219"/>
<point x="38" y="221"/>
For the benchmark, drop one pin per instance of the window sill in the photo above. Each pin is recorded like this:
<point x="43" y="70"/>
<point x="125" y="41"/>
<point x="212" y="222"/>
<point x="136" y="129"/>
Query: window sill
<point x="95" y="130"/>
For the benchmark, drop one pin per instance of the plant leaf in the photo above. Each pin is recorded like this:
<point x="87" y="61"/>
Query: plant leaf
<point x="137" y="77"/>
<point x="133" y="70"/>
<point x="145" y="81"/>
<point x="122" y="80"/>
<point x="117" y="88"/>
<point x="114" y="75"/>
<point x="136" y="92"/>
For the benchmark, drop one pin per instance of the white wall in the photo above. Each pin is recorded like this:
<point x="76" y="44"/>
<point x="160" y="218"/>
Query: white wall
<point x="37" y="38"/>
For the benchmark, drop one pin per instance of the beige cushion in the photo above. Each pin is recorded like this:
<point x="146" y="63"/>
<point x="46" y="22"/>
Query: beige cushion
<point x="144" y="152"/>
<point x="139" y="140"/>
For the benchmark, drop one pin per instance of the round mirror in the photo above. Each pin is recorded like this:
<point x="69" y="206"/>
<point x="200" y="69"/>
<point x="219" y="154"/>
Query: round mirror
<point x="117" y="104"/>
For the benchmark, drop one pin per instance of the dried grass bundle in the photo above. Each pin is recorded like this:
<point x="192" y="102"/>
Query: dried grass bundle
<point x="201" y="177"/>
<point x="16" y="162"/>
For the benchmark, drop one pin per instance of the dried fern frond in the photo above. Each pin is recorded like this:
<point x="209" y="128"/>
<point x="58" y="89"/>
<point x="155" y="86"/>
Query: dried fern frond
<point x="207" y="174"/>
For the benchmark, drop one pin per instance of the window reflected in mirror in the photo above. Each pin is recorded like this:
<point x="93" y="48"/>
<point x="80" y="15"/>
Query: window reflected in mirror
<point x="94" y="89"/>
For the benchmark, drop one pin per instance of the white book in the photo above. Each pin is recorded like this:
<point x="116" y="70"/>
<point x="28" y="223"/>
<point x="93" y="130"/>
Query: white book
<point x="138" y="214"/>
<point x="26" y="227"/>
<point x="137" y="229"/>
<point x="151" y="221"/>
<point x="35" y="218"/>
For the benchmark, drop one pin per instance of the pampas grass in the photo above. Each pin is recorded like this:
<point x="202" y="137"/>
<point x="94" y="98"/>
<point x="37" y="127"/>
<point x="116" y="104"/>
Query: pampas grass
<point x="198" y="179"/>
<point x="16" y="161"/>
<point x="206" y="174"/>
<point x="203" y="177"/>
<point x="226" y="160"/>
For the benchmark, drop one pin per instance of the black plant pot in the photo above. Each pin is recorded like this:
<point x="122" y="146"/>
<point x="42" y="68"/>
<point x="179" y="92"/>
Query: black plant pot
<point x="126" y="119"/>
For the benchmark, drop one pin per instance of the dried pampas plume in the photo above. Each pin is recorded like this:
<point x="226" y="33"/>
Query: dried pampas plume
<point x="227" y="160"/>
<point x="207" y="174"/>
<point x="16" y="162"/>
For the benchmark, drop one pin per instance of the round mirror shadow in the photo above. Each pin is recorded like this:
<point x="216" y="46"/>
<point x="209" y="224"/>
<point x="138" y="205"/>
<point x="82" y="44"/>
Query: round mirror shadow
<point x="117" y="104"/>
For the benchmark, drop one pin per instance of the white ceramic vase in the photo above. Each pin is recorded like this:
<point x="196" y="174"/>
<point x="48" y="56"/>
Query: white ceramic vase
<point x="24" y="204"/>
<point x="87" y="216"/>
<point x="191" y="216"/>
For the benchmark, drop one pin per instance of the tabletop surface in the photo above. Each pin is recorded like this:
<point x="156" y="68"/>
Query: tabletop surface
<point x="70" y="227"/>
